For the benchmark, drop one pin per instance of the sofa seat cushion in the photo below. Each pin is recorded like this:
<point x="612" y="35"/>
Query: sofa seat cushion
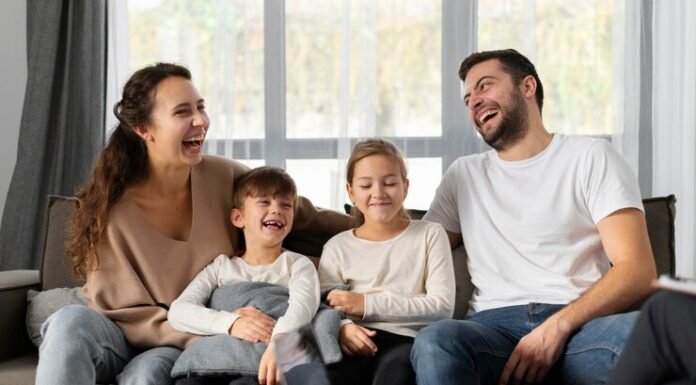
<point x="19" y="370"/>
<point x="41" y="304"/>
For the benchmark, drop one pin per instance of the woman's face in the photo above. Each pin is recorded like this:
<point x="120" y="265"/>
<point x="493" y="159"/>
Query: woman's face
<point x="178" y="123"/>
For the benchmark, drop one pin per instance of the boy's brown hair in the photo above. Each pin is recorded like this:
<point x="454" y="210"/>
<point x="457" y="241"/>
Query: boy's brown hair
<point x="263" y="181"/>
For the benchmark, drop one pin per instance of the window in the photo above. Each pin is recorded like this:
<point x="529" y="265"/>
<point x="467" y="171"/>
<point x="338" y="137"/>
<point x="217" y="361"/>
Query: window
<point x="295" y="83"/>
<point x="574" y="45"/>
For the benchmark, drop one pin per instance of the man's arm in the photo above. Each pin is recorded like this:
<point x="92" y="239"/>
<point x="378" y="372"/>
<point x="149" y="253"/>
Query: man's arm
<point x="455" y="239"/>
<point x="625" y="240"/>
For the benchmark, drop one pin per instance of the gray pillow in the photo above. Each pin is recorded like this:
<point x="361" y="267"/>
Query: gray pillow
<point x="41" y="304"/>
<point x="227" y="355"/>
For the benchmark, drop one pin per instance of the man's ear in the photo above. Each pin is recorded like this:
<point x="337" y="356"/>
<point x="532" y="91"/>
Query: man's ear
<point x="237" y="218"/>
<point x="529" y="86"/>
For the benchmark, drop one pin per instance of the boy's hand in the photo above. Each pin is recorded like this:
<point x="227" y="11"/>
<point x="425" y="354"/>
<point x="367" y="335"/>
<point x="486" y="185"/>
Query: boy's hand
<point x="355" y="340"/>
<point x="352" y="304"/>
<point x="268" y="371"/>
<point x="252" y="325"/>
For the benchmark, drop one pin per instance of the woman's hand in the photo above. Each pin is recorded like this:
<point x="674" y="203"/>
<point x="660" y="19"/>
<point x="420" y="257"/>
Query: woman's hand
<point x="253" y="325"/>
<point x="355" y="340"/>
<point x="268" y="370"/>
<point x="350" y="303"/>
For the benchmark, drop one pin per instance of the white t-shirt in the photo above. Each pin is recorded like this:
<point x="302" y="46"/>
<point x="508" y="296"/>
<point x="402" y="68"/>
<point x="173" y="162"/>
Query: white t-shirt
<point x="294" y="271"/>
<point x="408" y="281"/>
<point x="530" y="226"/>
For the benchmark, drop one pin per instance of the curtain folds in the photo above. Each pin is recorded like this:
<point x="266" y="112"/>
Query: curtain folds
<point x="674" y="118"/>
<point x="62" y="124"/>
<point x="633" y="92"/>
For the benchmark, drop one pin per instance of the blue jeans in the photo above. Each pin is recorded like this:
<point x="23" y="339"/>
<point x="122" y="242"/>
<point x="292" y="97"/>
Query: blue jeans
<point x="82" y="346"/>
<point x="474" y="351"/>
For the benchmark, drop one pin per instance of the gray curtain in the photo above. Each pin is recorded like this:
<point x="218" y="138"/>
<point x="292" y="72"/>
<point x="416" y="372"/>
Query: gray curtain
<point x="62" y="124"/>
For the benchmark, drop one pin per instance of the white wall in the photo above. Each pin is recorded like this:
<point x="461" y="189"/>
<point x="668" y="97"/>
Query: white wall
<point x="13" y="77"/>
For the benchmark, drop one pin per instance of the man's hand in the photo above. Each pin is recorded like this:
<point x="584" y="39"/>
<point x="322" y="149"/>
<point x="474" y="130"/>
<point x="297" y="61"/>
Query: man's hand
<point x="352" y="304"/>
<point x="268" y="370"/>
<point x="253" y="325"/>
<point x="535" y="354"/>
<point x="355" y="340"/>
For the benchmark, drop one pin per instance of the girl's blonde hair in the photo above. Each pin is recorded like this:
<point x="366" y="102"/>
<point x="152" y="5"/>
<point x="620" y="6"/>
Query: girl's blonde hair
<point x="370" y="147"/>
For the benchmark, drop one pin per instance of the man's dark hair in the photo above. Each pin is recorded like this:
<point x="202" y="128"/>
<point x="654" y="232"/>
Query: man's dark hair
<point x="512" y="62"/>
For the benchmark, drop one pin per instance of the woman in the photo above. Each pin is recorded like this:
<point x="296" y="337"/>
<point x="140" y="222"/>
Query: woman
<point x="153" y="214"/>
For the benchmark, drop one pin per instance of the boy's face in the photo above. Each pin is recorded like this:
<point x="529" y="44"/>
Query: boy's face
<point x="265" y="220"/>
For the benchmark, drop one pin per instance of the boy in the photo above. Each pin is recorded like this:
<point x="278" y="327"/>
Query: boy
<point x="264" y="202"/>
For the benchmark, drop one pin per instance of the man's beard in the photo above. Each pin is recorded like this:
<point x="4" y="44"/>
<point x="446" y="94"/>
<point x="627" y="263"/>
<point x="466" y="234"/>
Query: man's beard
<point x="513" y="126"/>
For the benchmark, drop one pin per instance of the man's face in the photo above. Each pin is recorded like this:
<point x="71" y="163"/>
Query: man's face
<point x="496" y="105"/>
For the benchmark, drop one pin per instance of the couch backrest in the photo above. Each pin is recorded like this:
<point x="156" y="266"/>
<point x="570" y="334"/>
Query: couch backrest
<point x="659" y="215"/>
<point x="56" y="272"/>
<point x="55" y="267"/>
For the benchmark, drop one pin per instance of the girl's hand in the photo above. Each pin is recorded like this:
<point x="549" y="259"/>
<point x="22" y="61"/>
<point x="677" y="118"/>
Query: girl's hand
<point x="252" y="325"/>
<point x="268" y="370"/>
<point x="355" y="340"/>
<point x="350" y="303"/>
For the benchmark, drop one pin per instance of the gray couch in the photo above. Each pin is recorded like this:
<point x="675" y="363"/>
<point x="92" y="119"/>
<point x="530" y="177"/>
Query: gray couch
<point x="18" y="357"/>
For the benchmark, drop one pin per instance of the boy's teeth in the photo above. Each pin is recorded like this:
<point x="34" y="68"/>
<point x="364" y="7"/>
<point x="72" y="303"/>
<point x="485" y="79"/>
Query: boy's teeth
<point x="273" y="223"/>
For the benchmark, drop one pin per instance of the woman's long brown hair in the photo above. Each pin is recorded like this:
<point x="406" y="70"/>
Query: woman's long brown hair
<point x="122" y="163"/>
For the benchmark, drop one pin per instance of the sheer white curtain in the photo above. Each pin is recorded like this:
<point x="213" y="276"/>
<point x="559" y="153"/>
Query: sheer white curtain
<point x="628" y="87"/>
<point x="295" y="83"/>
<point x="657" y="136"/>
<point x="674" y="118"/>
<point x="116" y="58"/>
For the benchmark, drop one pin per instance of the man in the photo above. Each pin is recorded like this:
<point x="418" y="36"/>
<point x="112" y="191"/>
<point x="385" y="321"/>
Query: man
<point x="542" y="216"/>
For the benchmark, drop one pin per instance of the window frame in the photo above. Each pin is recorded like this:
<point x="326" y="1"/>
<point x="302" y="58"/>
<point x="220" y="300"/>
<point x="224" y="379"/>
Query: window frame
<point x="458" y="136"/>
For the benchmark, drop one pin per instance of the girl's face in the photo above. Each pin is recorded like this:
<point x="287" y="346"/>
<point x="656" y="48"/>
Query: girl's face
<point x="178" y="123"/>
<point x="378" y="189"/>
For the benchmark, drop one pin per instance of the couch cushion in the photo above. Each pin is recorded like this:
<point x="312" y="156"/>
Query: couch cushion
<point x="20" y="370"/>
<point x="55" y="267"/>
<point x="41" y="304"/>
<point x="659" y="216"/>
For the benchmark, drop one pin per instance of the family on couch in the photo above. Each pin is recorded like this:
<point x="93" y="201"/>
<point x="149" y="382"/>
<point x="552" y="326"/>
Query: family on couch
<point x="553" y="226"/>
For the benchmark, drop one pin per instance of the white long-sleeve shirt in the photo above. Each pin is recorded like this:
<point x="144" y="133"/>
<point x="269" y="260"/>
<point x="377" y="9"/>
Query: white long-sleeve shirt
<point x="408" y="281"/>
<point x="294" y="271"/>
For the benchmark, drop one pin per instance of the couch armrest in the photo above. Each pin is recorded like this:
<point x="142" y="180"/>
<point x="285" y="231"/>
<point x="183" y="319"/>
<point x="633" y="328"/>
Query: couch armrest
<point x="14" y="285"/>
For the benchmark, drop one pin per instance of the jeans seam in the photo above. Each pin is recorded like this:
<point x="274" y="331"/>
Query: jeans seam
<point x="493" y="353"/>
<point x="112" y="349"/>
<point x="595" y="346"/>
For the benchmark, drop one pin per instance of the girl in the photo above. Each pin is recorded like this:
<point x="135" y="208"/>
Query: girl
<point x="400" y="271"/>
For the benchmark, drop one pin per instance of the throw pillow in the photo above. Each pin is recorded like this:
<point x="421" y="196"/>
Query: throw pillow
<point x="226" y="355"/>
<point x="41" y="304"/>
